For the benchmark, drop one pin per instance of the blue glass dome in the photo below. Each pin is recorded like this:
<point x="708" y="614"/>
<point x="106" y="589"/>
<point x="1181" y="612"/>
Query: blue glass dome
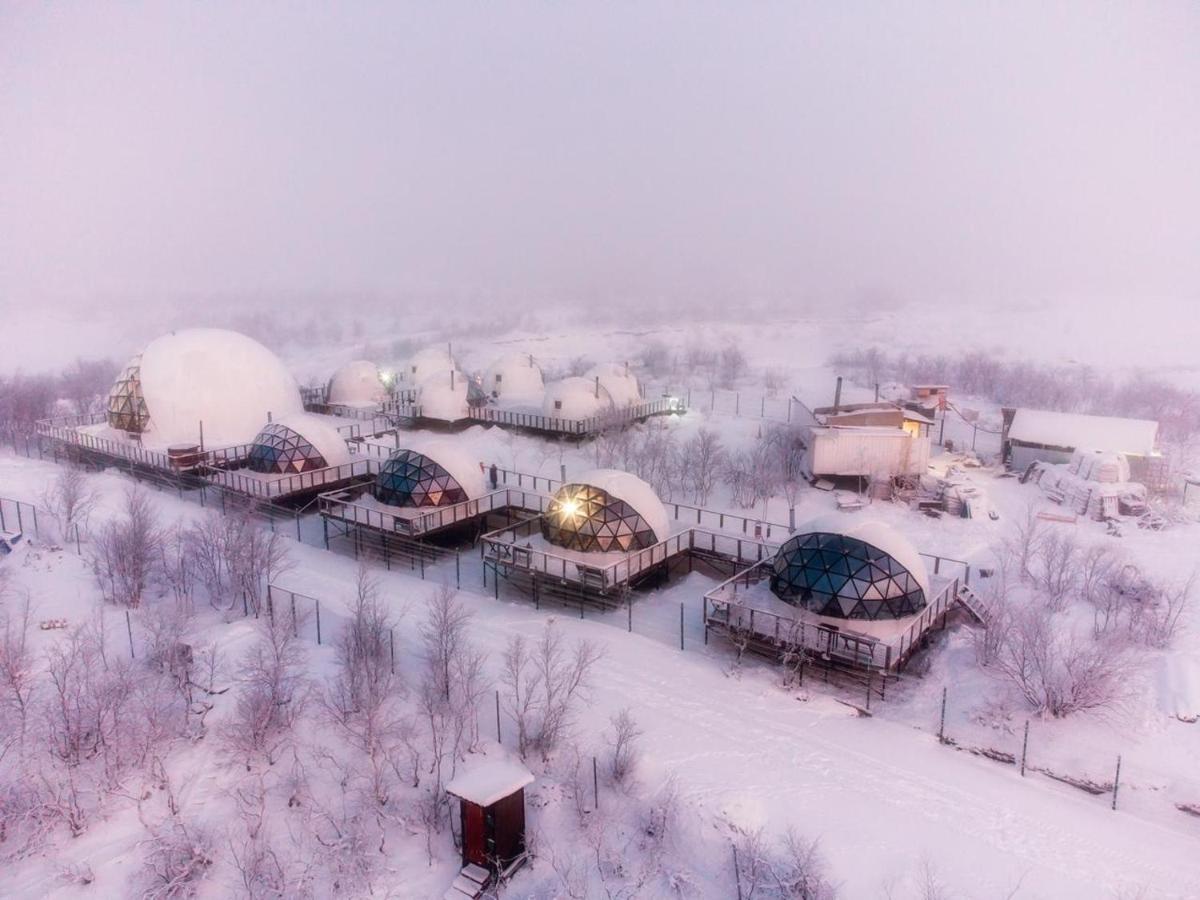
<point x="846" y="577"/>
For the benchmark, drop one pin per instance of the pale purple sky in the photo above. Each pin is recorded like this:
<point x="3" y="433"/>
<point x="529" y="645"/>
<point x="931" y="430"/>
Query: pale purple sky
<point x="987" y="152"/>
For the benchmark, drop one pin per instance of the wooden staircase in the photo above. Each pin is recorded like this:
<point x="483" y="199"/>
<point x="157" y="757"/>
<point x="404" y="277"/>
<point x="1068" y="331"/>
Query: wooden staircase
<point x="975" y="605"/>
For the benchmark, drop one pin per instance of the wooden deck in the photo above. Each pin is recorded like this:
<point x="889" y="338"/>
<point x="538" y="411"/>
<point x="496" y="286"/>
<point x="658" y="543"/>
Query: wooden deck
<point x="743" y="610"/>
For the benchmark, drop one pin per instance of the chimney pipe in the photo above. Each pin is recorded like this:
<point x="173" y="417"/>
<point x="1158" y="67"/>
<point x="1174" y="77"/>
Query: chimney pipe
<point x="597" y="387"/>
<point x="837" y="396"/>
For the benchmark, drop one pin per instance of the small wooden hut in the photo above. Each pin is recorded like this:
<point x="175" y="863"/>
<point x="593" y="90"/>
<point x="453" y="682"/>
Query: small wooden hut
<point x="492" y="798"/>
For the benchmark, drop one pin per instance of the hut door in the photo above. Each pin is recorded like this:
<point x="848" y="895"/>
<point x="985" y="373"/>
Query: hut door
<point x="474" y="842"/>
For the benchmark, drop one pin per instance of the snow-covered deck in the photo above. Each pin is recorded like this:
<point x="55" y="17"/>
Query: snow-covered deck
<point x="745" y="608"/>
<point x="521" y="548"/>
<point x="364" y="510"/>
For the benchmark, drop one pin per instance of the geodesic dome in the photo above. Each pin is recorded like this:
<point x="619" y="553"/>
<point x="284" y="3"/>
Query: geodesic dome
<point x="515" y="376"/>
<point x="621" y="384"/>
<point x="126" y="407"/>
<point x="357" y="383"/>
<point x="862" y="571"/>
<point x="606" y="510"/>
<point x="439" y="474"/>
<point x="297" y="443"/>
<point x="575" y="398"/>
<point x="221" y="378"/>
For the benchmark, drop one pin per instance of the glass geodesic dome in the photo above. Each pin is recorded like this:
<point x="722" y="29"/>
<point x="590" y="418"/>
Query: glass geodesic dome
<point x="409" y="478"/>
<point x="847" y="577"/>
<point x="279" y="449"/>
<point x="126" y="407"/>
<point x="589" y="518"/>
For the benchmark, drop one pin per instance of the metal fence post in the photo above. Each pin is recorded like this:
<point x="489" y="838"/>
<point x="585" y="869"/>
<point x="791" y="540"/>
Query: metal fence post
<point x="1116" y="782"/>
<point x="680" y="624"/>
<point x="498" y="717"/>
<point x="129" y="627"/>
<point x="317" y="603"/>
<point x="942" y="725"/>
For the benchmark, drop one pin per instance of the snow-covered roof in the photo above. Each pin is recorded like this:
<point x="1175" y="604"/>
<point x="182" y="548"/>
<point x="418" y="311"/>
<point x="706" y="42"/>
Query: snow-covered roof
<point x="1079" y="431"/>
<point x="444" y="395"/>
<point x="426" y="362"/>
<point x="624" y="486"/>
<point x="221" y="378"/>
<point x="878" y="535"/>
<point x="357" y="383"/>
<point x="455" y="458"/>
<point x="618" y="380"/>
<point x="514" y="376"/>
<point x="490" y="781"/>
<point x="321" y="434"/>
<point x="575" y="398"/>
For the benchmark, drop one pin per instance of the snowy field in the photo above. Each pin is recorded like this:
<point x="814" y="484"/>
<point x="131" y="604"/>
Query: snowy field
<point x="728" y="755"/>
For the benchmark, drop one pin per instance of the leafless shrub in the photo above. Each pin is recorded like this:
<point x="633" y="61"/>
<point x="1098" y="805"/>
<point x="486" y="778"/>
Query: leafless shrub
<point x="178" y="857"/>
<point x="452" y="683"/>
<point x="1023" y="543"/>
<point x="272" y="694"/>
<point x="70" y="499"/>
<point x="543" y="684"/>
<point x="732" y="365"/>
<point x="1155" y="621"/>
<point x="624" y="750"/>
<point x="1056" y="568"/>
<point x="16" y="673"/>
<point x="702" y="457"/>
<point x="363" y="699"/>
<point x="127" y="550"/>
<point x="177" y="570"/>
<point x="1059" y="672"/>
<point x="791" y="868"/>
<point x="86" y="381"/>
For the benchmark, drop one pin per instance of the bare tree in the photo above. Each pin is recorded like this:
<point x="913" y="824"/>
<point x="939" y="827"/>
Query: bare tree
<point x="1060" y="672"/>
<point x="543" y="686"/>
<point x="1024" y="541"/>
<point x="16" y="673"/>
<point x="127" y="551"/>
<point x="1055" y="566"/>
<point x="70" y="499"/>
<point x="272" y="694"/>
<point x="702" y="458"/>
<point x="624" y="749"/>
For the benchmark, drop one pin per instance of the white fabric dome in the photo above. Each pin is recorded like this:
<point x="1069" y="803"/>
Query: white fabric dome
<point x="575" y="398"/>
<point x="513" y="377"/>
<point x="428" y="362"/>
<point x="320" y="433"/>
<point x="357" y="383"/>
<point x="621" y="384"/>
<point x="878" y="535"/>
<point x="443" y="395"/>
<point x="624" y="486"/>
<point x="221" y="378"/>
<point x="455" y="459"/>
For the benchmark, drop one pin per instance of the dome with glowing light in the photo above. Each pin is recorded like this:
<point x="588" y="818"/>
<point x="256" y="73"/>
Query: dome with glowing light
<point x="606" y="510"/>
<point x="514" y="377"/>
<point x="357" y="383"/>
<point x="575" y="398"/>
<point x="440" y="473"/>
<point x="201" y="382"/>
<point x="297" y="443"/>
<point x="864" y="570"/>
<point x="427" y="362"/>
<point x="621" y="384"/>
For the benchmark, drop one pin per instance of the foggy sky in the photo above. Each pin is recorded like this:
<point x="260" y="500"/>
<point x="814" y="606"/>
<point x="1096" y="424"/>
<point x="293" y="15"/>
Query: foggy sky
<point x="971" y="151"/>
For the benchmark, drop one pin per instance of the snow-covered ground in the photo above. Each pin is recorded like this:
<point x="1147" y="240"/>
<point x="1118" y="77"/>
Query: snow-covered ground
<point x="894" y="809"/>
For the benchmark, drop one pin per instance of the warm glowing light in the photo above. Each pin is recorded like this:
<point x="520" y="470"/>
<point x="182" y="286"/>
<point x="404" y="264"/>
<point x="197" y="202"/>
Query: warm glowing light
<point x="569" y="507"/>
